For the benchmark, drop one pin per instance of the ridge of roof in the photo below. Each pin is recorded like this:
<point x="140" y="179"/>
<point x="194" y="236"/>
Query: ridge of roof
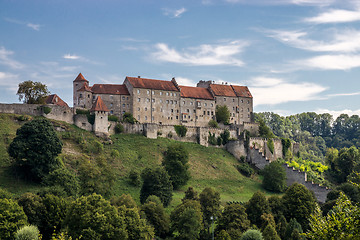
<point x="85" y="88"/>
<point x="56" y="100"/>
<point x="80" y="78"/>
<point x="99" y="105"/>
<point x="222" y="90"/>
<point x="155" y="84"/>
<point x="242" y="91"/>
<point x="115" y="89"/>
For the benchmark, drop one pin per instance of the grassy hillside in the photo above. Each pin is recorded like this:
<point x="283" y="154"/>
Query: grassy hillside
<point x="209" y="167"/>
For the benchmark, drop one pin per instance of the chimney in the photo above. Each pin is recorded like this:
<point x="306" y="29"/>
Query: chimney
<point x="139" y="76"/>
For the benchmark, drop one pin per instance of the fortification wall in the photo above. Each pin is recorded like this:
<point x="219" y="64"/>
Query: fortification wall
<point x="60" y="113"/>
<point x="17" y="108"/>
<point x="81" y="121"/>
<point x="236" y="148"/>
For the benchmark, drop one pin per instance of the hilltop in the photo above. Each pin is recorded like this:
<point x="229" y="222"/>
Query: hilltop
<point x="97" y="161"/>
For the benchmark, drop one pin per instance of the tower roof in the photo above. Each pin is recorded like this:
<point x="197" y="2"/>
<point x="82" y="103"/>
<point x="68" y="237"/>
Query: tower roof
<point x="80" y="78"/>
<point x="99" y="105"/>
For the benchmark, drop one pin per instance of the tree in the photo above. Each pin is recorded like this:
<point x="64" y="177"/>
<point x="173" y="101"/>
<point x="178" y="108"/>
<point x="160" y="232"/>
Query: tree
<point x="156" y="182"/>
<point x="35" y="148"/>
<point x="269" y="233"/>
<point x="30" y="232"/>
<point x="264" y="130"/>
<point x="156" y="216"/>
<point x="222" y="114"/>
<point x="124" y="200"/>
<point x="129" y="118"/>
<point x="257" y="206"/>
<point x="64" y="178"/>
<point x="175" y="161"/>
<point x="293" y="230"/>
<point x="12" y="217"/>
<point x="274" y="177"/>
<point x="190" y="194"/>
<point x="233" y="220"/>
<point x="186" y="220"/>
<point x="32" y="92"/>
<point x="93" y="217"/>
<point x="252" y="234"/>
<point x="210" y="206"/>
<point x="299" y="203"/>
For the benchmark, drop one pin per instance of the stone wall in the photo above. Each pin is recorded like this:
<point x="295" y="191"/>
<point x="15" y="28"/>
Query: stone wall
<point x="237" y="149"/>
<point x="29" y="109"/>
<point x="81" y="121"/>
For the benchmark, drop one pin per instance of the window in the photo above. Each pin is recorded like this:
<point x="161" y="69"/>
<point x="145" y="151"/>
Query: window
<point x="152" y="118"/>
<point x="172" y="110"/>
<point x="153" y="100"/>
<point x="80" y="95"/>
<point x="212" y="113"/>
<point x="160" y="93"/>
<point x="127" y="98"/>
<point x="187" y="110"/>
<point x="212" y="104"/>
<point x="139" y="117"/>
<point x="191" y="103"/>
<point x="171" y="94"/>
<point x="172" y="102"/>
<point x="183" y="102"/>
<point x="111" y="104"/>
<point x="233" y="99"/>
<point x="123" y="105"/>
<point x="93" y="97"/>
<point x="233" y="114"/>
<point x="138" y="91"/>
<point x="147" y="91"/>
<point x="175" y="101"/>
<point x="248" y="101"/>
<point x="111" y="112"/>
<point x="127" y="105"/>
<point x="233" y="108"/>
<point x="123" y="112"/>
<point x="88" y="96"/>
<point x="161" y="100"/>
<point x="242" y="101"/>
<point x="248" y="115"/>
<point x="224" y="99"/>
<point x="174" y="94"/>
<point x="205" y="104"/>
<point x="138" y="109"/>
<point x="123" y="98"/>
<point x="145" y="108"/>
<point x="167" y="94"/>
<point x="194" y="111"/>
<point x="177" y="111"/>
<point x="145" y="118"/>
<point x="248" y="109"/>
<point x="139" y="99"/>
<point x="204" y="112"/>
<point x="153" y="93"/>
<point x="167" y="101"/>
<point x="177" y="117"/>
<point x="152" y="109"/>
<point x="208" y="112"/>
<point x="148" y="99"/>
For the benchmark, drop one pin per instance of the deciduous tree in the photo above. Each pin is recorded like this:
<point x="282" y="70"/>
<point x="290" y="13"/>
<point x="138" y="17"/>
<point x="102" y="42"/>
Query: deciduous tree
<point x="32" y="92"/>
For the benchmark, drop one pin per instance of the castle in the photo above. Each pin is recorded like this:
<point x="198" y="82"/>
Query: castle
<point x="166" y="102"/>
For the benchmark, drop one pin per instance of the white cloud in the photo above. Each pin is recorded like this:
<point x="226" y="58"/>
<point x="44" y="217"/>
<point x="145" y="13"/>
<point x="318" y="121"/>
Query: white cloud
<point x="336" y="113"/>
<point x="174" y="13"/>
<point x="330" y="62"/>
<point x="344" y="94"/>
<point x="335" y="16"/>
<point x="272" y="91"/>
<point x="342" y="41"/>
<point x="72" y="57"/>
<point x="185" y="81"/>
<point x="313" y="2"/>
<point x="33" y="26"/>
<point x="7" y="61"/>
<point x="202" y="55"/>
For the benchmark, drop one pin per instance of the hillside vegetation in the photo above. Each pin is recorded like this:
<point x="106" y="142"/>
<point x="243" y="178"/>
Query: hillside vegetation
<point x="104" y="166"/>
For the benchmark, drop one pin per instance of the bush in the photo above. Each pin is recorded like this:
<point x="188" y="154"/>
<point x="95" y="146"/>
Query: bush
<point x="129" y="118"/>
<point x="212" y="139"/>
<point x="134" y="178"/>
<point x="274" y="177"/>
<point x="245" y="169"/>
<point x="91" y="118"/>
<point x="95" y="147"/>
<point x="82" y="111"/>
<point x="222" y="114"/>
<point x="23" y="118"/>
<point x="212" y="123"/>
<point x="225" y="136"/>
<point x="286" y="144"/>
<point x="113" y="118"/>
<point x="27" y="233"/>
<point x="270" y="144"/>
<point x="46" y="109"/>
<point x="119" y="128"/>
<point x="114" y="153"/>
<point x="180" y="130"/>
<point x="219" y="141"/>
<point x="252" y="234"/>
<point x="64" y="178"/>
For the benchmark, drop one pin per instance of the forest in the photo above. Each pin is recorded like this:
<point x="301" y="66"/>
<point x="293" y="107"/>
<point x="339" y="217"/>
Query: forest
<point x="77" y="202"/>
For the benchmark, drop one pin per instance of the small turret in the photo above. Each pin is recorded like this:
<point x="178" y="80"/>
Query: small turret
<point x="101" y="116"/>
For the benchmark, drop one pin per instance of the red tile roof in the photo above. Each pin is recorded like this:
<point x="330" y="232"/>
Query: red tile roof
<point x="80" y="78"/>
<point x="242" y="91"/>
<point x="56" y="100"/>
<point x="99" y="105"/>
<point x="195" y="92"/>
<point x="119" y="89"/>
<point x="152" y="84"/>
<point x="85" y="88"/>
<point x="222" y="90"/>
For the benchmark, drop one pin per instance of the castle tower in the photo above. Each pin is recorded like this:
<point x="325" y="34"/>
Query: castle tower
<point x="101" y="116"/>
<point x="78" y="97"/>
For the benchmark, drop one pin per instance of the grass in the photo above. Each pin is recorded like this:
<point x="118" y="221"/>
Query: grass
<point x="209" y="166"/>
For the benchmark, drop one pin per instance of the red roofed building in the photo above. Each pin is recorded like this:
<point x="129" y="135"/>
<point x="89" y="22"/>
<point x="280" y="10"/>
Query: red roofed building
<point x="56" y="100"/>
<point x="101" y="116"/>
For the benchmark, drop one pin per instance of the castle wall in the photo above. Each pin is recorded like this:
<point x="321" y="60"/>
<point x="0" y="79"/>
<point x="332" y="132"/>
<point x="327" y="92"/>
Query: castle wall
<point x="19" y="108"/>
<point x="81" y="121"/>
<point x="237" y="149"/>
<point x="60" y="113"/>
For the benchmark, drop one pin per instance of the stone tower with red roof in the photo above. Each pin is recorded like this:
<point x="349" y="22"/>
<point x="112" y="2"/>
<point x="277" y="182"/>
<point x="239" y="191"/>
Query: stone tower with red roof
<point x="101" y="113"/>
<point x="82" y="96"/>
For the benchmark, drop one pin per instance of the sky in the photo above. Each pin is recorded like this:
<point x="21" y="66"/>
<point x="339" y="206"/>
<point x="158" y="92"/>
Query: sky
<point x="294" y="55"/>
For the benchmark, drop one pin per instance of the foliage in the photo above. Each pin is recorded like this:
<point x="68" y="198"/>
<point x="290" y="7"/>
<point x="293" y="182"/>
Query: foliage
<point x="293" y="230"/>
<point x="156" y="216"/>
<point x="222" y="114"/>
<point x="180" y="130"/>
<point x="91" y="118"/>
<point x="175" y="162"/>
<point x="119" y="128"/>
<point x="212" y="139"/>
<point x="286" y="144"/>
<point x="270" y="145"/>
<point x="12" y="217"/>
<point x="245" y="169"/>
<point x="256" y="207"/>
<point x="225" y="136"/>
<point x="32" y="92"/>
<point x="252" y="234"/>
<point x="35" y="148"/>
<point x="213" y="124"/>
<point x="190" y="194"/>
<point x="210" y="206"/>
<point x="342" y="222"/>
<point x="92" y="217"/>
<point x="274" y="177"/>
<point x="5" y="194"/>
<point x="265" y="131"/>
<point x="124" y="200"/>
<point x="64" y="178"/>
<point x="135" y="178"/>
<point x="82" y="111"/>
<point x="299" y="203"/>
<point x="156" y="182"/>
<point x="233" y="217"/>
<point x="29" y="232"/>
<point x="113" y="118"/>
<point x="129" y="118"/>
<point x="46" y="109"/>
<point x="186" y="220"/>
<point x="269" y="233"/>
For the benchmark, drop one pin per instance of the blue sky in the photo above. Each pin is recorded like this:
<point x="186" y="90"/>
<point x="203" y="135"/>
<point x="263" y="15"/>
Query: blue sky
<point x="294" y="55"/>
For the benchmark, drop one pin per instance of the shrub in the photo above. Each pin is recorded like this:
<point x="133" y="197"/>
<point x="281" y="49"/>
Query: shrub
<point x="23" y="118"/>
<point x="46" y="109"/>
<point x="222" y="114"/>
<point x="252" y="234"/>
<point x="129" y="118"/>
<point x="180" y="130"/>
<point x="274" y="177"/>
<point x="219" y="141"/>
<point x="270" y="144"/>
<point x="64" y="178"/>
<point x="225" y="136"/>
<point x="134" y="178"/>
<point x="212" y="123"/>
<point x="30" y="232"/>
<point x="91" y="118"/>
<point x="245" y="169"/>
<point x="286" y="144"/>
<point x="119" y="128"/>
<point x="114" y="153"/>
<point x="212" y="139"/>
<point x="82" y="111"/>
<point x="113" y="118"/>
